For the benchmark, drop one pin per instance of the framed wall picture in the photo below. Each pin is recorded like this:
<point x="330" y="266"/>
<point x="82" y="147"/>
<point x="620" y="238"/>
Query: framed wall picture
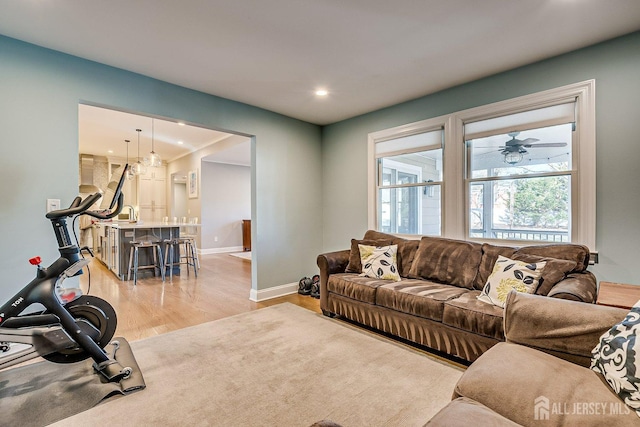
<point x="192" y="184"/>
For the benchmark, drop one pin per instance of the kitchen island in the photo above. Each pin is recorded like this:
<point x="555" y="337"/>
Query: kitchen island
<point x="112" y="243"/>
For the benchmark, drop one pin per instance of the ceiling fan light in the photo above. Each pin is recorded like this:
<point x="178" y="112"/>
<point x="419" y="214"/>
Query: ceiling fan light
<point x="513" y="157"/>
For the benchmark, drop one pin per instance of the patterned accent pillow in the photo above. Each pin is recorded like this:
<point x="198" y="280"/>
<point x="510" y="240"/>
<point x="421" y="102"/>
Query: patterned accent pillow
<point x="355" y="260"/>
<point x="380" y="262"/>
<point x="617" y="358"/>
<point x="510" y="274"/>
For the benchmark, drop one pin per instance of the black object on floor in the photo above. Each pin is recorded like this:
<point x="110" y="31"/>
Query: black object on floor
<point x="315" y="287"/>
<point x="42" y="393"/>
<point x="304" y="286"/>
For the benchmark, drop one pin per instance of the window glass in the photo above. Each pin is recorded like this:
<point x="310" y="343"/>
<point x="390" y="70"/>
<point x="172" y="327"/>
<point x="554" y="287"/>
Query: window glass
<point x="410" y="210"/>
<point x="522" y="209"/>
<point x="534" y="206"/>
<point x="409" y="193"/>
<point x="519" y="153"/>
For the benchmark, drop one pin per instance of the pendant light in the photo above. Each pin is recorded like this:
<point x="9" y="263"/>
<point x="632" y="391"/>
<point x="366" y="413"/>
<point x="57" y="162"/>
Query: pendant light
<point x="153" y="159"/>
<point x="129" y="174"/>
<point x="138" y="168"/>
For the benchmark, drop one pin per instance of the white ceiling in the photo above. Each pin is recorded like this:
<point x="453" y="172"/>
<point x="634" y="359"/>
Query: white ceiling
<point x="102" y="132"/>
<point x="274" y="54"/>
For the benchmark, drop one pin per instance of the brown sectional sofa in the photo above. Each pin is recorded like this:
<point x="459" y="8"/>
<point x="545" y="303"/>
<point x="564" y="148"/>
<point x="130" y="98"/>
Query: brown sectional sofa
<point x="435" y="303"/>
<point x="540" y="375"/>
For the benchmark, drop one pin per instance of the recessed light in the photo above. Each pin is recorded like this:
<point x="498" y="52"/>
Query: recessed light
<point x="180" y="142"/>
<point x="110" y="151"/>
<point x="180" y="123"/>
<point x="322" y="92"/>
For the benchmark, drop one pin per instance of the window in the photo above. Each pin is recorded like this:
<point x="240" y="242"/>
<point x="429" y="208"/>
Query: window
<point x="518" y="171"/>
<point x="408" y="183"/>
<point x="520" y="182"/>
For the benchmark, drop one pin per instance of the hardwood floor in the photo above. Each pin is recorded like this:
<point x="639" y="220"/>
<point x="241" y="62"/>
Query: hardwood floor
<point x="153" y="307"/>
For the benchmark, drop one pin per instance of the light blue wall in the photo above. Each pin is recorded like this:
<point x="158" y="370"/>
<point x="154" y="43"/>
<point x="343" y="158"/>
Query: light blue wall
<point x="39" y="94"/>
<point x="615" y="65"/>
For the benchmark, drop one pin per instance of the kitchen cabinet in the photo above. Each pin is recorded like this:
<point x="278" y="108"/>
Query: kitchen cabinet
<point x="106" y="246"/>
<point x="98" y="237"/>
<point x="152" y="200"/>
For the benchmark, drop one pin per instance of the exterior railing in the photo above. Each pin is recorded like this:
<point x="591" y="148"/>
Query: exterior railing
<point x="553" y="236"/>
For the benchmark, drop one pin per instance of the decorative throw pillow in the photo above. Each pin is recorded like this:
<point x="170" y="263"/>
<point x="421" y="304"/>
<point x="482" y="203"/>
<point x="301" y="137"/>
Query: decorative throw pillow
<point x="510" y="274"/>
<point x="617" y="358"/>
<point x="554" y="271"/>
<point x="380" y="262"/>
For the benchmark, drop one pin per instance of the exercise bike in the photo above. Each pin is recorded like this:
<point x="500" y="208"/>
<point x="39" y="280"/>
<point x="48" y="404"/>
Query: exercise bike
<point x="72" y="327"/>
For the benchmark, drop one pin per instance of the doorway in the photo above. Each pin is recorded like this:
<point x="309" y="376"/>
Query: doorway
<point x="178" y="194"/>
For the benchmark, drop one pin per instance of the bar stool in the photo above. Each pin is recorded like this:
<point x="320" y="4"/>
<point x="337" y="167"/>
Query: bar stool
<point x="169" y="254"/>
<point x="191" y="234"/>
<point x="184" y="246"/>
<point x="156" y="252"/>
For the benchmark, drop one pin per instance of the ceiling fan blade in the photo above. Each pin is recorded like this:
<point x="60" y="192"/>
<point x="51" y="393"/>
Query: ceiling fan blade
<point x="527" y="141"/>
<point x="547" y="144"/>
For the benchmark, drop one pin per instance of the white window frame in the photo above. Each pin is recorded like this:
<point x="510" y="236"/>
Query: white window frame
<point x="454" y="189"/>
<point x="423" y="126"/>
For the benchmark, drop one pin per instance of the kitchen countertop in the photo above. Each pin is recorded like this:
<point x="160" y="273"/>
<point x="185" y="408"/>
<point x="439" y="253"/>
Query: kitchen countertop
<point x="144" y="224"/>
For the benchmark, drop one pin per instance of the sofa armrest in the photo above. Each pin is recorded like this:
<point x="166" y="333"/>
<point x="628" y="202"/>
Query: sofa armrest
<point x="576" y="287"/>
<point x="566" y="329"/>
<point x="330" y="263"/>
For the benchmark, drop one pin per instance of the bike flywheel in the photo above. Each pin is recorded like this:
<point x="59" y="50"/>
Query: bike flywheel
<point x="96" y="312"/>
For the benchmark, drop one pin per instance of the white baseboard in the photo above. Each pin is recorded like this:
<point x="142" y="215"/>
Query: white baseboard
<point x="220" y="250"/>
<point x="258" y="295"/>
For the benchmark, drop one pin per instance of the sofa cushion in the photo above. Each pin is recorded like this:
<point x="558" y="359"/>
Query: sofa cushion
<point x="355" y="287"/>
<point x="519" y="382"/>
<point x="355" y="260"/>
<point x="469" y="314"/>
<point x="578" y="253"/>
<point x="554" y="271"/>
<point x="406" y="253"/>
<point x="379" y="262"/>
<point x="417" y="297"/>
<point x="462" y="412"/>
<point x="454" y="262"/>
<point x="489" y="257"/>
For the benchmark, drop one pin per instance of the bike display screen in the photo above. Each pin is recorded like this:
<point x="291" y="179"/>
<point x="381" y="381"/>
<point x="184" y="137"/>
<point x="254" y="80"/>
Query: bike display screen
<point x="110" y="197"/>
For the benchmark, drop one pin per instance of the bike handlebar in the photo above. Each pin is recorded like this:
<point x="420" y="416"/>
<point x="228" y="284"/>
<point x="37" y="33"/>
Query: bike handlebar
<point x="79" y="206"/>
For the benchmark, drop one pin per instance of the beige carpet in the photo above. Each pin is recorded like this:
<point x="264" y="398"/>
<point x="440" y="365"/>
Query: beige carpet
<point x="278" y="366"/>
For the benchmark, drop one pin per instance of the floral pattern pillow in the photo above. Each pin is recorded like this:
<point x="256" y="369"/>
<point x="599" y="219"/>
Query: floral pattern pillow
<point x="380" y="262"/>
<point x="617" y="358"/>
<point x="510" y="274"/>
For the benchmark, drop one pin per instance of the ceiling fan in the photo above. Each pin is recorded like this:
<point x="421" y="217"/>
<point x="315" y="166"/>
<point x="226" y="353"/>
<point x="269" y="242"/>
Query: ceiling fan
<point x="514" y="149"/>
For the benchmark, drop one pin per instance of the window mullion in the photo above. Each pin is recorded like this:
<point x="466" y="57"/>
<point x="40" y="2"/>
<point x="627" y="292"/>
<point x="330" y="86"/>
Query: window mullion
<point x="417" y="184"/>
<point x="522" y="176"/>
